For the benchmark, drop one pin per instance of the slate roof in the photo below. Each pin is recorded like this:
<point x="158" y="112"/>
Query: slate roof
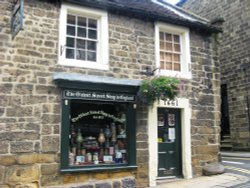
<point x="156" y="10"/>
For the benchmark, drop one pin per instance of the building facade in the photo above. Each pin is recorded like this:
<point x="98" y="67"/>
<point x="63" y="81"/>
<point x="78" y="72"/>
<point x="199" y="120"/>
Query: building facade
<point x="69" y="81"/>
<point x="234" y="59"/>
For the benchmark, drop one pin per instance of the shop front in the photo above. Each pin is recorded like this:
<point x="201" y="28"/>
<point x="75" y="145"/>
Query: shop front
<point x="98" y="123"/>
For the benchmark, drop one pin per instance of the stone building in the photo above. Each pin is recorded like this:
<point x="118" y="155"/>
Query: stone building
<point x="70" y="73"/>
<point x="234" y="59"/>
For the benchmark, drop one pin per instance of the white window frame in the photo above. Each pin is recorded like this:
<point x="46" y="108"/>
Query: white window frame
<point x="183" y="32"/>
<point x="102" y="36"/>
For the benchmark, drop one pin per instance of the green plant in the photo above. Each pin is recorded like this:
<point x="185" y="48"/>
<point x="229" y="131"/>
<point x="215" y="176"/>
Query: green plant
<point x="163" y="88"/>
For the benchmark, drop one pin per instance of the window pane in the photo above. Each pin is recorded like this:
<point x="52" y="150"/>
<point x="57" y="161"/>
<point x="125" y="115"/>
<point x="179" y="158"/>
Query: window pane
<point x="162" y="56"/>
<point x="80" y="54"/>
<point x="177" y="57"/>
<point x="71" y="30"/>
<point x="168" y="57"/>
<point x="169" y="46"/>
<point x="92" y="23"/>
<point x="176" y="38"/>
<point x="162" y="65"/>
<point x="70" y="42"/>
<point x="168" y="37"/>
<point x="177" y="67"/>
<point x="161" y="36"/>
<point x="177" y="48"/>
<point x="91" y="56"/>
<point x="81" y="32"/>
<point x="71" y="19"/>
<point x="81" y="21"/>
<point x="92" y="34"/>
<point x="162" y="45"/>
<point x="81" y="44"/>
<point x="69" y="53"/>
<point x="91" y="45"/>
<point x="169" y="66"/>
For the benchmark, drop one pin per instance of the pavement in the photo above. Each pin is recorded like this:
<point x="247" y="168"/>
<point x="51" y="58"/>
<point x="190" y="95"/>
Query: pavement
<point x="216" y="181"/>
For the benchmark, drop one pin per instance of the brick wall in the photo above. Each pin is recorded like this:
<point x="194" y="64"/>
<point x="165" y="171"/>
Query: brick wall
<point x="234" y="52"/>
<point x="30" y="102"/>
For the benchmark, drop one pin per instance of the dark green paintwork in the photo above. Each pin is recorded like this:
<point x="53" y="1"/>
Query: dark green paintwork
<point x="169" y="153"/>
<point x="131" y="129"/>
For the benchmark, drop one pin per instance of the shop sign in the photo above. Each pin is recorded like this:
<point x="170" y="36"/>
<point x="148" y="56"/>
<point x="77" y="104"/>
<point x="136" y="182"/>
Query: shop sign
<point x="17" y="17"/>
<point x="93" y="95"/>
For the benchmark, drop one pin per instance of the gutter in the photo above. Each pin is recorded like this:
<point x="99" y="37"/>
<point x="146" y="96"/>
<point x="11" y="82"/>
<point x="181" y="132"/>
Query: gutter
<point x="115" y="8"/>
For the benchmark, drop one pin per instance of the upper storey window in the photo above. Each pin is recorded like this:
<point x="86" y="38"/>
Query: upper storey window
<point x="172" y="50"/>
<point x="83" y="37"/>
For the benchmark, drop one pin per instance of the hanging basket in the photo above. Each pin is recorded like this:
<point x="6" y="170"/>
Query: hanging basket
<point x="159" y="88"/>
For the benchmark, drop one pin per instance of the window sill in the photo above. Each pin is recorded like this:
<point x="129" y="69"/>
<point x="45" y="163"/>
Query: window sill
<point x="183" y="75"/>
<point x="83" y="64"/>
<point x="94" y="169"/>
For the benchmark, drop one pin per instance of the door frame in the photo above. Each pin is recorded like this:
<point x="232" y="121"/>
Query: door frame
<point x="164" y="157"/>
<point x="185" y="113"/>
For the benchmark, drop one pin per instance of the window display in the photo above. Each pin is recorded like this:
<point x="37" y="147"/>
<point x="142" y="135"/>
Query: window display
<point x="97" y="134"/>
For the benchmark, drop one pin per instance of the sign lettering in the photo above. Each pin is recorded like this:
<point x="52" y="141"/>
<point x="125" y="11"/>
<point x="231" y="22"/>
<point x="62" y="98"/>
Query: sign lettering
<point x="92" y="95"/>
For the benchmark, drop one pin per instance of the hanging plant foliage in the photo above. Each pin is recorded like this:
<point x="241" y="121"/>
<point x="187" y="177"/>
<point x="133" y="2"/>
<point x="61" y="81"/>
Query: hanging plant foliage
<point x="163" y="88"/>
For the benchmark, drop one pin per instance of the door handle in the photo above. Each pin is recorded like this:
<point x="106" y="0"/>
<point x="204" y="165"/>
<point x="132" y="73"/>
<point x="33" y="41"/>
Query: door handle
<point x="162" y="152"/>
<point x="171" y="152"/>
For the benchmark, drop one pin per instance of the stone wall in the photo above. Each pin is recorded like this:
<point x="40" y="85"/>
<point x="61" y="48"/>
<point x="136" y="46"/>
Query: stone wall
<point x="234" y="53"/>
<point x="30" y="111"/>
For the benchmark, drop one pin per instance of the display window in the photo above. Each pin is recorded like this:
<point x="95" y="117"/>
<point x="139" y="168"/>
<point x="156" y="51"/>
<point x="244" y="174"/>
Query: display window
<point x="98" y="131"/>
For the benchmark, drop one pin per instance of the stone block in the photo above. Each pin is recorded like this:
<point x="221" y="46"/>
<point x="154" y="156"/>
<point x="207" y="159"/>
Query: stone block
<point x="120" y="174"/>
<point x="213" y="169"/>
<point x="2" y="169"/>
<point x="47" y="169"/>
<point x="21" y="147"/>
<point x="50" y="143"/>
<point x="30" y="185"/>
<point x="69" y="178"/>
<point x="19" y="136"/>
<point x="29" y="53"/>
<point x="117" y="184"/>
<point x="19" y="111"/>
<point x="128" y="183"/>
<point x="50" y="119"/>
<point x="103" y="185"/>
<point x="4" y="147"/>
<point x="46" y="158"/>
<point x="6" y="88"/>
<point x="100" y="175"/>
<point x="206" y="149"/>
<point x="7" y="160"/>
<point x="24" y="174"/>
<point x="83" y="177"/>
<point x="50" y="180"/>
<point x="27" y="159"/>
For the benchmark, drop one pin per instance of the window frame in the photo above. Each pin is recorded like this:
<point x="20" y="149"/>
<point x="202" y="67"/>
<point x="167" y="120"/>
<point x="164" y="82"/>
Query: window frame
<point x="102" y="49"/>
<point x="65" y="126"/>
<point x="185" y="59"/>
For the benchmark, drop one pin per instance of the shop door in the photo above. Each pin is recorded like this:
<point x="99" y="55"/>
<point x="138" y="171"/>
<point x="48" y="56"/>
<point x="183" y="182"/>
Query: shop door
<point x="169" y="142"/>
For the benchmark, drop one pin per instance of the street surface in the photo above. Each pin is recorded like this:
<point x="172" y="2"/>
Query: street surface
<point x="240" y="166"/>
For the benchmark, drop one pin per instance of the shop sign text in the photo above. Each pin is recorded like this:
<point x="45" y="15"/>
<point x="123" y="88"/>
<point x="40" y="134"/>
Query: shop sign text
<point x="92" y="95"/>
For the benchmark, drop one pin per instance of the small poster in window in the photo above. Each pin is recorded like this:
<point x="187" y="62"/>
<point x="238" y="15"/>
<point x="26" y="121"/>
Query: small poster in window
<point x="171" y="133"/>
<point x="107" y="158"/>
<point x="171" y="119"/>
<point x="80" y="159"/>
<point x="160" y="120"/>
